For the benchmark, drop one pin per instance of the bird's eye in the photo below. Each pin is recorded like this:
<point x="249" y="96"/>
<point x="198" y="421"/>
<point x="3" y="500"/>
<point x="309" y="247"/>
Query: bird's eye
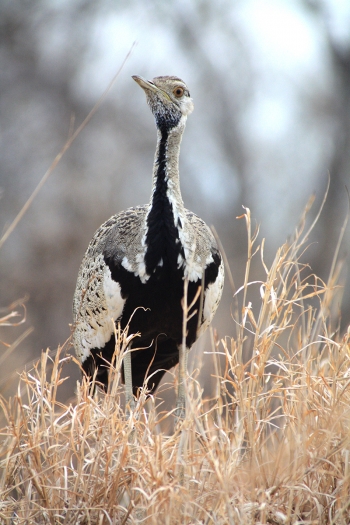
<point x="178" y="92"/>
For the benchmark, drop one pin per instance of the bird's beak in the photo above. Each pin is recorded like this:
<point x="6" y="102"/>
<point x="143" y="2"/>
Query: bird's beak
<point x="149" y="86"/>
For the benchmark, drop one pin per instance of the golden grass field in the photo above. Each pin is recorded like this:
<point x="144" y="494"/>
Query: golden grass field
<point x="272" y="445"/>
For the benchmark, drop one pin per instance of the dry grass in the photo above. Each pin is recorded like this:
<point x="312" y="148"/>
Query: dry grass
<point x="272" y="446"/>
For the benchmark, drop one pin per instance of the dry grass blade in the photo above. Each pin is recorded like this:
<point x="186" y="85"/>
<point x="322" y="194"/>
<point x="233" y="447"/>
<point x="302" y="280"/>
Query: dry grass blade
<point x="272" y="447"/>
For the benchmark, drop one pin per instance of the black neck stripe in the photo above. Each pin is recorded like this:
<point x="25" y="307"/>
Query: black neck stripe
<point x="162" y="233"/>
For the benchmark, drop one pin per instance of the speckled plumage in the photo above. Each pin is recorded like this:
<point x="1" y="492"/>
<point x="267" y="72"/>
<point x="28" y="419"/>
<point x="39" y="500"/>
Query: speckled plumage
<point x="141" y="258"/>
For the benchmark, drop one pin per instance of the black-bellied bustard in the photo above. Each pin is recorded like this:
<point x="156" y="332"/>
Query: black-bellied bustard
<point x="142" y="261"/>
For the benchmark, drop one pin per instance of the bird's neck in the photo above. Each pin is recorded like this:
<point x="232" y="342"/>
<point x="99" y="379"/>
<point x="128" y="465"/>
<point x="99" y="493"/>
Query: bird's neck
<point x="166" y="166"/>
<point x="166" y="210"/>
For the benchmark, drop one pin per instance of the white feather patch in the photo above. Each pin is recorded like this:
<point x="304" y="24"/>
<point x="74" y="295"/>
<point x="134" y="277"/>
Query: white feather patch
<point x="114" y="301"/>
<point x="212" y="298"/>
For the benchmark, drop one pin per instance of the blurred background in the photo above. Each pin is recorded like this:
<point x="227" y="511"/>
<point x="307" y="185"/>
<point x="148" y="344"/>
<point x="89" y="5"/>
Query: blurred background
<point x="271" y="86"/>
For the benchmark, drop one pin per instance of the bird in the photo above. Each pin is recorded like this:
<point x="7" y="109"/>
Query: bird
<point x="148" y="268"/>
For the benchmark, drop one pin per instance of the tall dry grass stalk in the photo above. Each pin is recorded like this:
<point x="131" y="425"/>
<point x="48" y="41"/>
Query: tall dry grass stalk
<point x="272" y="446"/>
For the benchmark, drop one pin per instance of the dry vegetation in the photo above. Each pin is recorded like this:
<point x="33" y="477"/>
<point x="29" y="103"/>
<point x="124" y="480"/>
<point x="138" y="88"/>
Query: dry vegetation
<point x="271" y="446"/>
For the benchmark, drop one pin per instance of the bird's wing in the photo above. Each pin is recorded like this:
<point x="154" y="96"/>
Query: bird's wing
<point x="98" y="301"/>
<point x="207" y="255"/>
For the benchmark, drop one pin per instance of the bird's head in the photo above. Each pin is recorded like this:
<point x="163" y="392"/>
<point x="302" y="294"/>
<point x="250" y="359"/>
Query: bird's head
<point x="169" y="100"/>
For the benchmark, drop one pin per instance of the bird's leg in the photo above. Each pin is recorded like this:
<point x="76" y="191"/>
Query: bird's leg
<point x="181" y="391"/>
<point x="129" y="396"/>
<point x="184" y="350"/>
<point x="183" y="355"/>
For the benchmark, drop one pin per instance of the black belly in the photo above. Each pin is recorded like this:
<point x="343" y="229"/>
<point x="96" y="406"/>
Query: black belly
<point x="153" y="309"/>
